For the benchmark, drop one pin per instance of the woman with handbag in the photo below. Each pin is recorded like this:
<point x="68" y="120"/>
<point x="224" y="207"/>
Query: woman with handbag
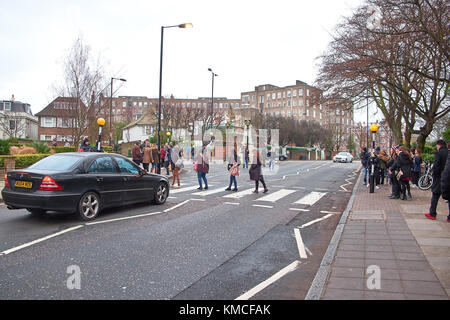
<point x="255" y="172"/>
<point x="403" y="164"/>
<point x="233" y="168"/>
<point x="178" y="157"/>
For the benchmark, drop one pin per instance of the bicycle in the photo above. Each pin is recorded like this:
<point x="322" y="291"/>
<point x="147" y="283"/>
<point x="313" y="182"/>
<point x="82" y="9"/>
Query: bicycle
<point x="426" y="180"/>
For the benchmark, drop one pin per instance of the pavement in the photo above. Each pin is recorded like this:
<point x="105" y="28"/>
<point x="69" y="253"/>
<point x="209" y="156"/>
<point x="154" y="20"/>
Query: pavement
<point x="390" y="241"/>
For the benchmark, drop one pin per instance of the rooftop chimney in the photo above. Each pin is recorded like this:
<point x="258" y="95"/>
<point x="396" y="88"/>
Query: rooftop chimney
<point x="12" y="98"/>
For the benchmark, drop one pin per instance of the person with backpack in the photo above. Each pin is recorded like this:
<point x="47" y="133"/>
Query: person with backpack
<point x="201" y="166"/>
<point x="233" y="168"/>
<point x="402" y="166"/>
<point x="255" y="172"/>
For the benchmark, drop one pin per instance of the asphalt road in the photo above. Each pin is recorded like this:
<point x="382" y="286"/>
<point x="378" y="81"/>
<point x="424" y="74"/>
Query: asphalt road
<point x="198" y="245"/>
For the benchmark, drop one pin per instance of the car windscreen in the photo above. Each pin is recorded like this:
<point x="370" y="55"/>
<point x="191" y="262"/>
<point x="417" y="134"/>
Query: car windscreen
<point x="342" y="154"/>
<point x="57" y="163"/>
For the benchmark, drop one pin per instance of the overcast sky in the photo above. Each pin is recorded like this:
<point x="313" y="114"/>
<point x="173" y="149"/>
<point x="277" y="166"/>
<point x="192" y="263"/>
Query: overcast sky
<point x="245" y="42"/>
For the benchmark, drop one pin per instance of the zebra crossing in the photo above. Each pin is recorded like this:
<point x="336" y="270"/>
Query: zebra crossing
<point x="263" y="201"/>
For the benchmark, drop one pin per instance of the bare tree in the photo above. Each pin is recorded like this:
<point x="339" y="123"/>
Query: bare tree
<point x="13" y="124"/>
<point x="84" y="80"/>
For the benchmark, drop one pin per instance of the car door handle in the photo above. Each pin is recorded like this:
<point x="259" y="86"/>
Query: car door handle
<point x="124" y="179"/>
<point x="99" y="179"/>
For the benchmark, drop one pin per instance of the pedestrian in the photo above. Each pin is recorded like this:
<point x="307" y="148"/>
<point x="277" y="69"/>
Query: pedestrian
<point x="364" y="156"/>
<point x="136" y="153"/>
<point x="54" y="142"/>
<point x="166" y="158"/>
<point x="440" y="159"/>
<point x="417" y="162"/>
<point x="233" y="168"/>
<point x="66" y="144"/>
<point x="147" y="155"/>
<point x="445" y="182"/>
<point x="255" y="172"/>
<point x="271" y="161"/>
<point x="172" y="164"/>
<point x="383" y="159"/>
<point x="403" y="165"/>
<point x="85" y="145"/>
<point x="395" y="194"/>
<point x="246" y="158"/>
<point x="178" y="158"/>
<point x="155" y="159"/>
<point x="201" y="166"/>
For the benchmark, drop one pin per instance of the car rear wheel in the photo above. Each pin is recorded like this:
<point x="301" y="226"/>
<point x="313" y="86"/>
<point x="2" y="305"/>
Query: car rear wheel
<point x="162" y="191"/>
<point x="89" y="206"/>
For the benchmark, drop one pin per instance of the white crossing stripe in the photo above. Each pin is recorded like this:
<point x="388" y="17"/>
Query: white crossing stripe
<point x="311" y="198"/>
<point x="239" y="194"/>
<point x="174" y="191"/>
<point x="261" y="206"/>
<point x="273" y="197"/>
<point x="208" y="192"/>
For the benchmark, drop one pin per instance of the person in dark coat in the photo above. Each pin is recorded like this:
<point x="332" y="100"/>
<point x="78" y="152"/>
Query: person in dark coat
<point x="416" y="167"/>
<point x="136" y="153"/>
<point x="85" y="145"/>
<point x="395" y="194"/>
<point x="256" y="172"/>
<point x="403" y="163"/>
<point x="440" y="158"/>
<point x="445" y="182"/>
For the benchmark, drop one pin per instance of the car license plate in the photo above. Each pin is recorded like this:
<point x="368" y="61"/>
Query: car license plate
<point x="24" y="184"/>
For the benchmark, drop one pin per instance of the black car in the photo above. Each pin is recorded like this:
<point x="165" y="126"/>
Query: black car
<point x="82" y="182"/>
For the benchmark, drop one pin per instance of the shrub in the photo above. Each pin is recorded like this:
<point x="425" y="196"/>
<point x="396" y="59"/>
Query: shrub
<point x="41" y="147"/>
<point x="63" y="149"/>
<point x="428" y="157"/>
<point x="107" y="149"/>
<point x="4" y="147"/>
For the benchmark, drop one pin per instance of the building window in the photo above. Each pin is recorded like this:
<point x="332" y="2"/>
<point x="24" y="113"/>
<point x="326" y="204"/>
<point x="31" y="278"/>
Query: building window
<point x="294" y="103"/>
<point x="7" y="106"/>
<point x="268" y="96"/>
<point x="307" y="102"/>
<point x="294" y="93"/>
<point x="279" y="95"/>
<point x="274" y="96"/>
<point x="48" y="122"/>
<point x="12" y="124"/>
<point x="289" y="94"/>
<point x="307" y="92"/>
<point x="300" y="103"/>
<point x="307" y="112"/>
<point x="300" y="92"/>
<point x="124" y="104"/>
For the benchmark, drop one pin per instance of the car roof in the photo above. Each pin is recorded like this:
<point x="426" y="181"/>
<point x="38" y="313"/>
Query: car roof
<point x="86" y="154"/>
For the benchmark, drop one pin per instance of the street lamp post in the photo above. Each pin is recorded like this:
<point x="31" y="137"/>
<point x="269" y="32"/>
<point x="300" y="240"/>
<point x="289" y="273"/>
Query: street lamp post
<point x="247" y="123"/>
<point x="184" y="25"/>
<point x="372" y="159"/>
<point x="110" y="109"/>
<point x="212" y="96"/>
<point x="101" y="123"/>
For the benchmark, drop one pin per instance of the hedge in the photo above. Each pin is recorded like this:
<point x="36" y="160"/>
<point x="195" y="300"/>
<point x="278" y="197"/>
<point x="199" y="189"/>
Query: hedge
<point x="24" y="160"/>
<point x="64" y="149"/>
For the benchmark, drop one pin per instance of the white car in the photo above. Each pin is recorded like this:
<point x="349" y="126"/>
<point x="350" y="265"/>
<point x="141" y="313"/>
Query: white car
<point x="343" y="157"/>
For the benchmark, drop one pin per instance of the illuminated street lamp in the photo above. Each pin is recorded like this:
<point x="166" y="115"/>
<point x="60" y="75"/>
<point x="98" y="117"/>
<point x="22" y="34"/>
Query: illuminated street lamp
<point x="101" y="123"/>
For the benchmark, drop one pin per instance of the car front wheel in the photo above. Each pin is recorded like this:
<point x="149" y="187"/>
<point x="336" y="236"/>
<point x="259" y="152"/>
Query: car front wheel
<point x="89" y="206"/>
<point x="162" y="191"/>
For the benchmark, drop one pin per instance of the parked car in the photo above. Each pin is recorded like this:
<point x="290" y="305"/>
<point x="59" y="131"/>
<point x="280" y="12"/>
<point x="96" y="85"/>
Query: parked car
<point x="82" y="182"/>
<point x="284" y="154"/>
<point x="343" y="157"/>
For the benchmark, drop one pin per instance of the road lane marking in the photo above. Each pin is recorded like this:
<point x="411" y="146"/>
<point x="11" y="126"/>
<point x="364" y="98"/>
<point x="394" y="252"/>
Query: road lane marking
<point x="311" y="198"/>
<point x="239" y="194"/>
<point x="233" y="203"/>
<point x="262" y="206"/>
<point x="314" y="221"/>
<point x="247" y="295"/>
<point x="39" y="240"/>
<point x="300" y="245"/>
<point x="124" y="218"/>
<point x="273" y="197"/>
<point x="297" y="209"/>
<point x="176" y="206"/>
<point x="332" y="212"/>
